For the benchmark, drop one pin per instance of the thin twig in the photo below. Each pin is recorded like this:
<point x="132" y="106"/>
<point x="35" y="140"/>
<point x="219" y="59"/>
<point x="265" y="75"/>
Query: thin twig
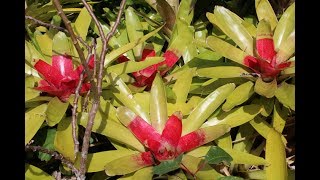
<point x="46" y="24"/>
<point x="96" y="101"/>
<point x="74" y="38"/>
<point x="54" y="154"/>
<point x="75" y="107"/>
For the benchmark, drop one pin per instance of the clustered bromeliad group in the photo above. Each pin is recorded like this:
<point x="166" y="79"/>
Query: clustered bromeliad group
<point x="61" y="78"/>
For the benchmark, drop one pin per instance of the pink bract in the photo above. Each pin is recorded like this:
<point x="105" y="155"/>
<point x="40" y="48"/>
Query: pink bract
<point x="265" y="64"/>
<point x="60" y="79"/>
<point x="146" y="76"/>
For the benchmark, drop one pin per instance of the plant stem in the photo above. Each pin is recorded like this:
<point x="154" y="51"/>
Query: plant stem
<point x="46" y="24"/>
<point x="96" y="98"/>
<point x="56" y="155"/>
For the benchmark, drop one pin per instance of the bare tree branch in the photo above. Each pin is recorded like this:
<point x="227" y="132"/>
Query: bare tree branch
<point x="46" y="24"/>
<point x="54" y="154"/>
<point x="96" y="101"/>
<point x="75" y="107"/>
<point x="74" y="38"/>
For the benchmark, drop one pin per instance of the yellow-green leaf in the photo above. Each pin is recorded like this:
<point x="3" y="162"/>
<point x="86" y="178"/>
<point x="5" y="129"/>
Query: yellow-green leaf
<point x="225" y="49"/>
<point x="34" y="118"/>
<point x="279" y="117"/>
<point x="144" y="173"/>
<point x="192" y="164"/>
<point x="206" y="107"/>
<point x="276" y="156"/>
<point x="125" y="165"/>
<point x="45" y="44"/>
<point x="116" y="53"/>
<point x="287" y="48"/>
<point x="285" y="93"/>
<point x="182" y="85"/>
<point x="113" y="130"/>
<point x="231" y="26"/>
<point x="132" y="66"/>
<point x="122" y="92"/>
<point x="35" y="173"/>
<point x="285" y="26"/>
<point x="82" y="23"/>
<point x="264" y="11"/>
<point x="221" y="72"/>
<point x="235" y="117"/>
<point x="63" y="142"/>
<point x="245" y="158"/>
<point x="158" y="104"/>
<point x="61" y="44"/>
<point x="134" y="30"/>
<point x="97" y="161"/>
<point x="240" y="95"/>
<point x="266" y="89"/>
<point x="56" y="111"/>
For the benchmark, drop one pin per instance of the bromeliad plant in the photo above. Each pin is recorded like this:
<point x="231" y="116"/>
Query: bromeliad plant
<point x="267" y="50"/>
<point x="162" y="136"/>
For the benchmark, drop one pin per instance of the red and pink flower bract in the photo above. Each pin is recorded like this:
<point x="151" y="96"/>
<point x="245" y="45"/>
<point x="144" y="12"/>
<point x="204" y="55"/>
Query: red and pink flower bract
<point x="146" y="76"/>
<point x="169" y="144"/>
<point x="266" y="64"/>
<point x="60" y="79"/>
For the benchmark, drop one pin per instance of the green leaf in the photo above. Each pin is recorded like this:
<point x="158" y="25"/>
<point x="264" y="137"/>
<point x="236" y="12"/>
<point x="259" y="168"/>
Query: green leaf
<point x="266" y="89"/>
<point x="35" y="173"/>
<point x="61" y="44"/>
<point x="240" y="95"/>
<point x="276" y="156"/>
<point x="264" y="11"/>
<point x="63" y="141"/>
<point x="158" y="104"/>
<point x="244" y="138"/>
<point x="56" y="111"/>
<point x="134" y="30"/>
<point x="285" y="93"/>
<point x="230" y="178"/>
<point x="216" y="155"/>
<point x="97" y="161"/>
<point x="235" y="117"/>
<point x="132" y="66"/>
<point x="231" y="25"/>
<point x="48" y="144"/>
<point x="225" y="49"/>
<point x="206" y="107"/>
<point x="167" y="166"/>
<point x="34" y="118"/>
<point x="82" y="23"/>
<point x="285" y="26"/>
<point x="116" y="53"/>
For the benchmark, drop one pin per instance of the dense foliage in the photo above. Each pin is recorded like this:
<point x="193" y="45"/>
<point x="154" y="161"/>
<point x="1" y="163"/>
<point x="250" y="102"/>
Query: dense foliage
<point x="189" y="89"/>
